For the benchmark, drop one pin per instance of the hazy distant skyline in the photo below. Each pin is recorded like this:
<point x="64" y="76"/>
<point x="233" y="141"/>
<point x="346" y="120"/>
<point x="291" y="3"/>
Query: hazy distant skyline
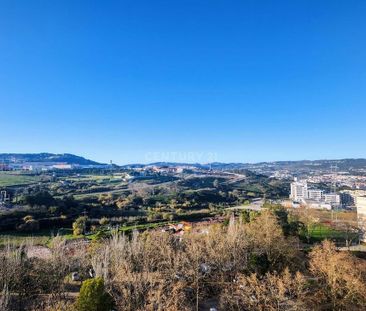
<point x="232" y="81"/>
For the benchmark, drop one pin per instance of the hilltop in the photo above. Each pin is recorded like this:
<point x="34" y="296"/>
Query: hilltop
<point x="45" y="157"/>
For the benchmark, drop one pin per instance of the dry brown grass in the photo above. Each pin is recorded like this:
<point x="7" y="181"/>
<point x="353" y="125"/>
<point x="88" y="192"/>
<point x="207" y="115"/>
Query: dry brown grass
<point x="244" y="266"/>
<point x="158" y="271"/>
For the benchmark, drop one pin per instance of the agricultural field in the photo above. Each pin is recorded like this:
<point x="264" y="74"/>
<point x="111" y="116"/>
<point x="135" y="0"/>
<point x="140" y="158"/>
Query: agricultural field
<point x="338" y="226"/>
<point x="45" y="237"/>
<point x="8" y="179"/>
<point x="37" y="238"/>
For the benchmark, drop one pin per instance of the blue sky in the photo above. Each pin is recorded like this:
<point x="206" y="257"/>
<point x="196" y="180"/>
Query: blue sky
<point x="232" y="81"/>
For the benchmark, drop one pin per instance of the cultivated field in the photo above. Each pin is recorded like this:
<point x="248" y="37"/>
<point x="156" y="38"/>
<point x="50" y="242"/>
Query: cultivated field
<point x="13" y="179"/>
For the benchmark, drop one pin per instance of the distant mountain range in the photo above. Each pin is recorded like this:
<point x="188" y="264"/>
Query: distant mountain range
<point x="268" y="167"/>
<point x="8" y="158"/>
<point x="342" y="164"/>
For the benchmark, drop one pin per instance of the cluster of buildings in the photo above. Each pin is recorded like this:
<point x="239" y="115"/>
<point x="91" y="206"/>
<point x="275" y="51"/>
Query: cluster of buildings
<point x="36" y="166"/>
<point x="166" y="169"/>
<point x="163" y="169"/>
<point x="315" y="198"/>
<point x="357" y="199"/>
<point x="44" y="166"/>
<point x="301" y="194"/>
<point x="344" y="179"/>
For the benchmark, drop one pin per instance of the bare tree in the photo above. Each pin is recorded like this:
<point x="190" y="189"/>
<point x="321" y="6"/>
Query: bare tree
<point x="341" y="277"/>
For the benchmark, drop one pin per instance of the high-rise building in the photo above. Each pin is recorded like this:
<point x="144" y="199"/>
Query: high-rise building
<point x="316" y="197"/>
<point x="299" y="190"/>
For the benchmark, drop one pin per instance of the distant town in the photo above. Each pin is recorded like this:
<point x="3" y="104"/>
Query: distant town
<point x="324" y="184"/>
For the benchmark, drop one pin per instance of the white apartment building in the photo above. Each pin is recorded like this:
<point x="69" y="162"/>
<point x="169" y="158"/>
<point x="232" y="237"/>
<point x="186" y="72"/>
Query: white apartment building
<point x="332" y="198"/>
<point x="315" y="194"/>
<point x="315" y="197"/>
<point x="299" y="190"/>
<point x="62" y="166"/>
<point x="361" y="215"/>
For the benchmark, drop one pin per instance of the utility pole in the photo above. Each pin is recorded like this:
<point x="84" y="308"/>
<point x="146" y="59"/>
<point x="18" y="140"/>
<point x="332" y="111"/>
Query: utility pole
<point x="334" y="169"/>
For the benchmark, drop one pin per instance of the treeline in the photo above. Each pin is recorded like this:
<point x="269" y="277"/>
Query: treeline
<point x="45" y="210"/>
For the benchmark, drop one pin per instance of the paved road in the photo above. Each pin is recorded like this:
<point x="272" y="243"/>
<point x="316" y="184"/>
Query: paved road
<point x="254" y="206"/>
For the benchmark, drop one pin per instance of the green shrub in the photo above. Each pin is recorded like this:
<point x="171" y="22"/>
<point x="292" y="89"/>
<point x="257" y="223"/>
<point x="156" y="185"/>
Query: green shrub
<point x="93" y="296"/>
<point x="78" y="226"/>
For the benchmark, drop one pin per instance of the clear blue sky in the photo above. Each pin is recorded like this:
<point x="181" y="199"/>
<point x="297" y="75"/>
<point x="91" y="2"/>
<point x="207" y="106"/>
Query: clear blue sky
<point x="135" y="81"/>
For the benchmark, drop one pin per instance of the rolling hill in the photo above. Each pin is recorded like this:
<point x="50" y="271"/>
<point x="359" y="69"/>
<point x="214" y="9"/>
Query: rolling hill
<point x="45" y="157"/>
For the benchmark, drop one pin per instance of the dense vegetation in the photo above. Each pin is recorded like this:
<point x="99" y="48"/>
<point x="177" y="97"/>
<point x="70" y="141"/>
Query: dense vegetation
<point x="57" y="200"/>
<point x="248" y="264"/>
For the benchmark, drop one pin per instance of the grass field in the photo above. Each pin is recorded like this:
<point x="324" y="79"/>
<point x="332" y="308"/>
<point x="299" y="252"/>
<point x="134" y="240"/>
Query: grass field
<point x="144" y="226"/>
<point x="318" y="232"/>
<point x="38" y="238"/>
<point x="96" y="194"/>
<point x="102" y="179"/>
<point x="45" y="237"/>
<point x="13" y="179"/>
